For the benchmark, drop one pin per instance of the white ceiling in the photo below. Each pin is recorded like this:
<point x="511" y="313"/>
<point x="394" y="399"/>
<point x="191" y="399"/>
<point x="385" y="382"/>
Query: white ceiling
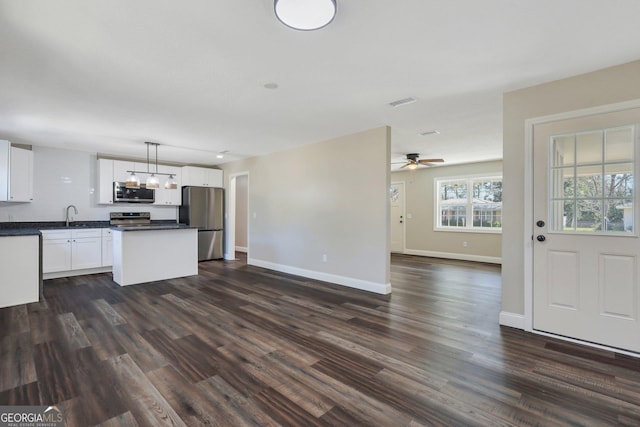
<point x="107" y="75"/>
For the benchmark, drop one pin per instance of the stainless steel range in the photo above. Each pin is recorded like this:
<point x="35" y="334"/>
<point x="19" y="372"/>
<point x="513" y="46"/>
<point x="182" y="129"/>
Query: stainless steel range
<point x="130" y="218"/>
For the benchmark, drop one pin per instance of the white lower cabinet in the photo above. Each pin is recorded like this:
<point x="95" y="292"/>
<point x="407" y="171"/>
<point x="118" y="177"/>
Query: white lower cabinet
<point x="68" y="250"/>
<point x="107" y="247"/>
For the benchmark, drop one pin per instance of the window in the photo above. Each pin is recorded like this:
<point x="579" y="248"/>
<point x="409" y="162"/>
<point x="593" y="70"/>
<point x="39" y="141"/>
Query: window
<point x="592" y="179"/>
<point x="469" y="204"/>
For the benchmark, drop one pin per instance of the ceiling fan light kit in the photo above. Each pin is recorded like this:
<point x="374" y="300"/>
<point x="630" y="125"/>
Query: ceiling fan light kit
<point x="413" y="161"/>
<point x="305" y="15"/>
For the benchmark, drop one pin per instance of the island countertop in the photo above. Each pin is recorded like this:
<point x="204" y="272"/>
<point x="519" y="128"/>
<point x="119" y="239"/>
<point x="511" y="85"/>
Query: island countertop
<point x="151" y="227"/>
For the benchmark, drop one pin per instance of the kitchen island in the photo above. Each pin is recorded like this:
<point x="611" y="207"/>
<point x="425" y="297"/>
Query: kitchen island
<point x="154" y="252"/>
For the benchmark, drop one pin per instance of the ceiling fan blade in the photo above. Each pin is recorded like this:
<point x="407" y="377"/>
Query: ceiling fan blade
<point x="425" y="161"/>
<point x="405" y="165"/>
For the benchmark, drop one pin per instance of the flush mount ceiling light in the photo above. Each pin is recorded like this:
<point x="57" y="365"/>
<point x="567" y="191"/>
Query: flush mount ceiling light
<point x="152" y="181"/>
<point x="305" y="15"/>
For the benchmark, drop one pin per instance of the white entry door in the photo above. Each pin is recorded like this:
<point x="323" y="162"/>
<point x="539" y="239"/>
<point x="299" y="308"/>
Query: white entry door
<point x="586" y="246"/>
<point x="396" y="195"/>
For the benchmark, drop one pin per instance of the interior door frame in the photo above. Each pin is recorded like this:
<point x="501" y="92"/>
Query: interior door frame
<point x="404" y="216"/>
<point x="528" y="203"/>
<point x="230" y="229"/>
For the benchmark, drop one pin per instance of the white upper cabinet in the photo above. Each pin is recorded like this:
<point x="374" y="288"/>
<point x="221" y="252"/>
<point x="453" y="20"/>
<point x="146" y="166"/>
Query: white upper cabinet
<point x="166" y="197"/>
<point x="120" y="168"/>
<point x="202" y="177"/>
<point x="105" y="181"/>
<point x="16" y="173"/>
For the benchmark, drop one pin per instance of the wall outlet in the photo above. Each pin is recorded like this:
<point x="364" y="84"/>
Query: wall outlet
<point x="324" y="257"/>
<point x="465" y="244"/>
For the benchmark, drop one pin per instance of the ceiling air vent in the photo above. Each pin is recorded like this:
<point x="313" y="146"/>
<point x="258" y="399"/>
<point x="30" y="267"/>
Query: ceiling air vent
<point x="404" y="101"/>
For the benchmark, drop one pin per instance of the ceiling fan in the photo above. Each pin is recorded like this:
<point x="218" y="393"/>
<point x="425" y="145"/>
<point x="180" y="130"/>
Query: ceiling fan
<point x="413" y="162"/>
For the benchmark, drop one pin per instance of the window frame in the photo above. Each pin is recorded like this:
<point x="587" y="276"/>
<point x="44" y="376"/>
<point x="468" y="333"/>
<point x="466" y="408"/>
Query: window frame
<point x="469" y="227"/>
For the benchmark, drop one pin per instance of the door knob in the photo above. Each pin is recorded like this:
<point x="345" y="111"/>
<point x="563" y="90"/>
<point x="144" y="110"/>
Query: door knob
<point x="540" y="238"/>
<point x="540" y="223"/>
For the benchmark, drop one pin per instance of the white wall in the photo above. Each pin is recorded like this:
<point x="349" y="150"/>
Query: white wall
<point x="420" y="236"/>
<point x="315" y="200"/>
<point x="65" y="177"/>
<point x="603" y="87"/>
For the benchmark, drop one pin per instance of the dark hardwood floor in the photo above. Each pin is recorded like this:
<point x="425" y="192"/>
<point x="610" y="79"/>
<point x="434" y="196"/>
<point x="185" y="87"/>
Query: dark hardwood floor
<point x="240" y="345"/>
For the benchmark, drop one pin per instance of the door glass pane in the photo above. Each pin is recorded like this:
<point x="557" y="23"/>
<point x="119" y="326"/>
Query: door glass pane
<point x="589" y="181"/>
<point x="618" y="180"/>
<point x="563" y="152"/>
<point x="562" y="216"/>
<point x="563" y="183"/>
<point x="618" y="215"/>
<point x="619" y="144"/>
<point x="589" y="147"/>
<point x="588" y="215"/>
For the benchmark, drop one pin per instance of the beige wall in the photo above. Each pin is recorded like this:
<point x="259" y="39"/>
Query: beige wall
<point x="323" y="198"/>
<point x="607" y="86"/>
<point x="421" y="239"/>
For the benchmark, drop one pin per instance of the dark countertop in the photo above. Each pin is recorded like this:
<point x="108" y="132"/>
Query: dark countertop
<point x="19" y="232"/>
<point x="152" y="227"/>
<point x="52" y="225"/>
<point x="26" y="228"/>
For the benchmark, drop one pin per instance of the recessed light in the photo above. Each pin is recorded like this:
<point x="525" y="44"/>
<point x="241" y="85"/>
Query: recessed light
<point x="404" y="101"/>
<point x="221" y="154"/>
<point x="430" y="132"/>
<point x="271" y="86"/>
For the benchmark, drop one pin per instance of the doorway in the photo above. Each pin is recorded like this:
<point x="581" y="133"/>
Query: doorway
<point x="586" y="247"/>
<point x="238" y="215"/>
<point x="397" y="216"/>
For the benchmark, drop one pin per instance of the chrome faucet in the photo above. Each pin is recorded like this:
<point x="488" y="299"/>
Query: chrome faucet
<point x="74" y="209"/>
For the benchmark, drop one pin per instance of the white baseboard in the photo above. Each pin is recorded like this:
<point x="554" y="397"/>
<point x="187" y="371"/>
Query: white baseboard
<point x="71" y="273"/>
<point x="450" y="255"/>
<point x="241" y="249"/>
<point x="512" y="320"/>
<point x="378" y="288"/>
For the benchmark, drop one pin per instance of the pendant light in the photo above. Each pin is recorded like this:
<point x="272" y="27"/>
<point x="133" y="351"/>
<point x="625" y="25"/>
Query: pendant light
<point x="305" y="15"/>
<point x="152" y="180"/>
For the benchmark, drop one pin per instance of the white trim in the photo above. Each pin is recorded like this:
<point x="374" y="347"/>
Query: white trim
<point x="528" y="192"/>
<point x="230" y="230"/>
<point x="241" y="249"/>
<point x="365" y="285"/>
<point x="450" y="255"/>
<point x="71" y="273"/>
<point x="513" y="320"/>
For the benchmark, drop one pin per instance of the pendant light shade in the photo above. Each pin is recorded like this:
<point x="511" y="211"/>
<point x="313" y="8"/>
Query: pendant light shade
<point x="152" y="182"/>
<point x="133" y="181"/>
<point x="171" y="183"/>
<point x="305" y="15"/>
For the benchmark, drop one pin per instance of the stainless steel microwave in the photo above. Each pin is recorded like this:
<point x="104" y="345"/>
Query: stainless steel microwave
<point x="122" y="194"/>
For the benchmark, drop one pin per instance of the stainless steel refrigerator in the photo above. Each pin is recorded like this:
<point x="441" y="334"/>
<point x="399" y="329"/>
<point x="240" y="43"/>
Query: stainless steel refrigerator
<point x="203" y="207"/>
